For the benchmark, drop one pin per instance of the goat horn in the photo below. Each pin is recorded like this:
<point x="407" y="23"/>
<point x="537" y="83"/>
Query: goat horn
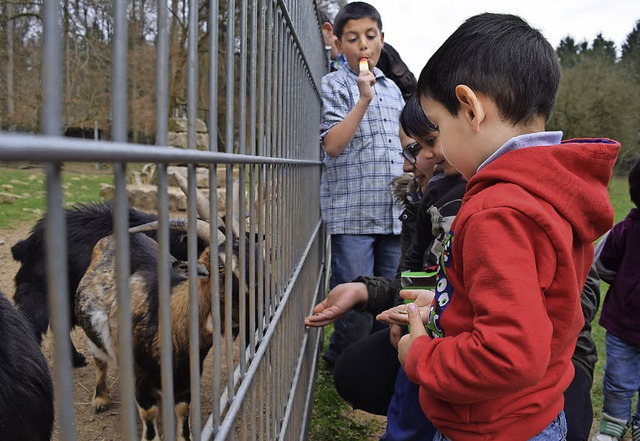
<point x="202" y="228"/>
<point x="202" y="204"/>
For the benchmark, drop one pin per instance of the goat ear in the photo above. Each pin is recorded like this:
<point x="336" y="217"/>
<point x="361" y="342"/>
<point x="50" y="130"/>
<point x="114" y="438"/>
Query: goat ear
<point x="181" y="268"/>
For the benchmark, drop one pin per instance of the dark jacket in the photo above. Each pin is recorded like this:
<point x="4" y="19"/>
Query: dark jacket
<point x="618" y="265"/>
<point x="433" y="215"/>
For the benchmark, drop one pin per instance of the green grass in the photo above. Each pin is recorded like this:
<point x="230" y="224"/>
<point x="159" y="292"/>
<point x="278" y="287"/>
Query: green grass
<point x="23" y="195"/>
<point x="330" y="420"/>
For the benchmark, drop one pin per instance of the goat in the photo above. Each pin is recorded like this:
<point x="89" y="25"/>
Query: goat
<point x="97" y="309"/>
<point x="86" y="224"/>
<point x="26" y="390"/>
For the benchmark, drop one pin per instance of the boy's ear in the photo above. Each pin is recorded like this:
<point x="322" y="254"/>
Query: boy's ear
<point x="327" y="27"/>
<point x="471" y="107"/>
<point x="382" y="37"/>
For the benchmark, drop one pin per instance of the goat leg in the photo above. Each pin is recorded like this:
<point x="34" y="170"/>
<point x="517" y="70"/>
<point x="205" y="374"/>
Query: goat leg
<point x="78" y="359"/>
<point x="149" y="417"/>
<point x="182" y="422"/>
<point x="101" y="397"/>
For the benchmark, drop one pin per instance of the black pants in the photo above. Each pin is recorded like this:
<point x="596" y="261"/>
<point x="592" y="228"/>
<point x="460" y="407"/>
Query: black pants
<point x="577" y="406"/>
<point x="365" y="373"/>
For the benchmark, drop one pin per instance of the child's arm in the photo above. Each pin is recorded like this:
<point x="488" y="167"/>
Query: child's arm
<point x="609" y="252"/>
<point x="340" y="135"/>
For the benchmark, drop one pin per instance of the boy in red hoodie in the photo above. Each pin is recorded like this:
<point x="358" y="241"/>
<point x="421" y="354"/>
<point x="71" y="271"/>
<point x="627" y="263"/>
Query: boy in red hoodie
<point x="495" y="358"/>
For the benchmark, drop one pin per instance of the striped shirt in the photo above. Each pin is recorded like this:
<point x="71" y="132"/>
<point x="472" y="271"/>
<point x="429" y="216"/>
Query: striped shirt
<point x="355" y="196"/>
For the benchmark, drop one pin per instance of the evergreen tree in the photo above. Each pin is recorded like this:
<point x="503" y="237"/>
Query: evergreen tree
<point x="568" y="52"/>
<point x="631" y="52"/>
<point x="604" y="50"/>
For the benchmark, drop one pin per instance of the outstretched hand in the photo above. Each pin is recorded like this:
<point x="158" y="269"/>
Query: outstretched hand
<point x="339" y="301"/>
<point x="417" y="330"/>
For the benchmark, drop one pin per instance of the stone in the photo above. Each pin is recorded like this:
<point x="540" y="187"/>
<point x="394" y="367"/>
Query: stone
<point x="180" y="125"/>
<point x="8" y="198"/>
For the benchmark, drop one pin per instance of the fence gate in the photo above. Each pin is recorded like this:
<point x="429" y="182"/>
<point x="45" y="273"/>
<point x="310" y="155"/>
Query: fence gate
<point x="252" y="72"/>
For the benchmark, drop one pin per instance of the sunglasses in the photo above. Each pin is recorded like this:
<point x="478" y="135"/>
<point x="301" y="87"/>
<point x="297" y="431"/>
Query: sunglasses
<point x="410" y="151"/>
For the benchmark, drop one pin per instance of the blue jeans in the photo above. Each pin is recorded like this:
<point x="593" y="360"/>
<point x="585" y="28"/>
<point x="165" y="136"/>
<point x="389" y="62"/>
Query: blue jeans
<point x="556" y="431"/>
<point x="405" y="419"/>
<point x="354" y="255"/>
<point x="621" y="378"/>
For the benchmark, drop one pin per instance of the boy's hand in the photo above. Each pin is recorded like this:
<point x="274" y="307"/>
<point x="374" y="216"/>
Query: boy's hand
<point x="395" y="334"/>
<point x="366" y="80"/>
<point x="417" y="330"/>
<point x="339" y="301"/>
<point x="398" y="314"/>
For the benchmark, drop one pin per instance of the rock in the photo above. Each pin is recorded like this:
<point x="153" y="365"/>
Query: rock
<point x="180" y="125"/>
<point x="145" y="197"/>
<point x="8" y="198"/>
<point x="180" y="140"/>
<point x="202" y="176"/>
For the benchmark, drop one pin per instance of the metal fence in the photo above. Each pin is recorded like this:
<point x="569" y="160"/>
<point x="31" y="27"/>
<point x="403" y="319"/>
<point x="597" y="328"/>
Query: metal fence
<point x="263" y="379"/>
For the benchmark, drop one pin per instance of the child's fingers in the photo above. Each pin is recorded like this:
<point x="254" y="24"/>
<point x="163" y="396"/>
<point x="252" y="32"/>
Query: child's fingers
<point x="422" y="297"/>
<point x="409" y="294"/>
<point x="415" y="322"/>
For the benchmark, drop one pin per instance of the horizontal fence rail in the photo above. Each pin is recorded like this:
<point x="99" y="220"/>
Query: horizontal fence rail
<point x="241" y="78"/>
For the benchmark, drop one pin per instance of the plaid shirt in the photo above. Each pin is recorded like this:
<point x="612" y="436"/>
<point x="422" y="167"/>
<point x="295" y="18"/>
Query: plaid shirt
<point x="355" y="195"/>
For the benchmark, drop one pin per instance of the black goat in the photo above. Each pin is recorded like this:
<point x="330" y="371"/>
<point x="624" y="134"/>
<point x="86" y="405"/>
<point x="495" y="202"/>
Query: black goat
<point x="26" y="390"/>
<point x="86" y="225"/>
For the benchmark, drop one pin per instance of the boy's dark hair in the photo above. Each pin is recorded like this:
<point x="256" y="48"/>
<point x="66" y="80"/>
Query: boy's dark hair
<point x="498" y="55"/>
<point x="413" y="120"/>
<point x="355" y="11"/>
<point x="634" y="183"/>
<point x="324" y="18"/>
<point x="391" y="64"/>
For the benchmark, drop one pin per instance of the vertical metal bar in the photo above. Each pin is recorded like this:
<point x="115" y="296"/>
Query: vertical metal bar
<point x="260" y="151"/>
<point x="228" y="302"/>
<point x="119" y="111"/>
<point x="252" y="189"/>
<point x="125" y="352"/>
<point x="253" y="54"/>
<point x="164" y="302"/>
<point x="58" y="300"/>
<point x="213" y="203"/>
<point x="52" y="70"/>
<point x="119" y="117"/>
<point x="194" y="321"/>
<point x="56" y="232"/>
<point x="162" y="74"/>
<point x="242" y="184"/>
<point x="252" y="211"/>
<point x="192" y="115"/>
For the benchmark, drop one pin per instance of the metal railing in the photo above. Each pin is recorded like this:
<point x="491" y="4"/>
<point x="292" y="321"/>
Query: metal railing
<point x="263" y="379"/>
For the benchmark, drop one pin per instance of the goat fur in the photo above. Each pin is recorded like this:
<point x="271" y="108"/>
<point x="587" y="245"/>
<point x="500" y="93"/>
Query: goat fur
<point x="26" y="390"/>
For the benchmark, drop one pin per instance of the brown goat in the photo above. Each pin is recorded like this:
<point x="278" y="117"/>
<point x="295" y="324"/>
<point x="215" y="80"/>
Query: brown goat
<point x="97" y="309"/>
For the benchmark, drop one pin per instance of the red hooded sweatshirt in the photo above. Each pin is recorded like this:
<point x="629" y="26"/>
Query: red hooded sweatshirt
<point x="506" y="316"/>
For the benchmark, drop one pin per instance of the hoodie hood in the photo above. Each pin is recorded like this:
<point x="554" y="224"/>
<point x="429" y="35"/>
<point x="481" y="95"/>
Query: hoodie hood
<point x="573" y="177"/>
<point x="405" y="191"/>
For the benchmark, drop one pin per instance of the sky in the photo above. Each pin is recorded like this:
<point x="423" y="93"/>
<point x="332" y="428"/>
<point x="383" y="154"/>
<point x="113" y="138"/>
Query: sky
<point x="416" y="28"/>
